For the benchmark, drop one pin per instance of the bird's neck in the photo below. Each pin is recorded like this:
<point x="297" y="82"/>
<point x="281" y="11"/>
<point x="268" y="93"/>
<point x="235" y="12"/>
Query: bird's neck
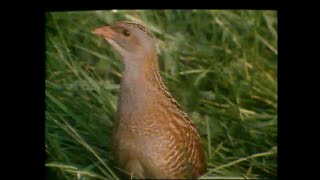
<point x="139" y="72"/>
<point x="140" y="82"/>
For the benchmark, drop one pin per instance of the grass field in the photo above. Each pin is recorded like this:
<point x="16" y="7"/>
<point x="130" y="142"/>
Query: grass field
<point x="220" y="65"/>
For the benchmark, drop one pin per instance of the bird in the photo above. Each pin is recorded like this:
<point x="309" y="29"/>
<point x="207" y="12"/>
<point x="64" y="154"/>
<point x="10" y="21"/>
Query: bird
<point x="152" y="136"/>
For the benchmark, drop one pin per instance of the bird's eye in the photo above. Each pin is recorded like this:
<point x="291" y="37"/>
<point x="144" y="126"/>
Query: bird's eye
<point x="126" y="33"/>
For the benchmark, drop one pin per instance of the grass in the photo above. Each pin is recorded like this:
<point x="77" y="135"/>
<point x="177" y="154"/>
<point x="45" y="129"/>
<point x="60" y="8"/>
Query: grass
<point x="220" y="65"/>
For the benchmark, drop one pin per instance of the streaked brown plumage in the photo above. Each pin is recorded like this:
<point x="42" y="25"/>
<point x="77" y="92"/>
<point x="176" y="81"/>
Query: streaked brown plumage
<point x="153" y="137"/>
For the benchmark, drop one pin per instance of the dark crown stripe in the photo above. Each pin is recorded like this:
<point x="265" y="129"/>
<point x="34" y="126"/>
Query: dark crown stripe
<point x="141" y="27"/>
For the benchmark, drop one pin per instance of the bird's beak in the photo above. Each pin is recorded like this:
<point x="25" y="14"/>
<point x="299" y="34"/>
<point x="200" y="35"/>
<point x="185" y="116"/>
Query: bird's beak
<point x="110" y="35"/>
<point x="105" y="32"/>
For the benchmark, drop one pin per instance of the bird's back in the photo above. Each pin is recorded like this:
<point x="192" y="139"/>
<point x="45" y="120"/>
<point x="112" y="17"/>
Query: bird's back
<point x="157" y="140"/>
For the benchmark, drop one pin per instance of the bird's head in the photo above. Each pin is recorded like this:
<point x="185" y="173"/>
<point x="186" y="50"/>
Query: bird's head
<point x="130" y="39"/>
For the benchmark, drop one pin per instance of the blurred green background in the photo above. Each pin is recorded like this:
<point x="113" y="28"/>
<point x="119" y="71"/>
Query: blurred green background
<point x="220" y="65"/>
